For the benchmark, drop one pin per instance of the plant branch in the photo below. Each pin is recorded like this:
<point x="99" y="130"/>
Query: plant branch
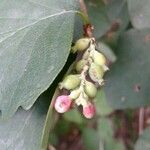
<point x="87" y="27"/>
<point x="83" y="7"/>
<point x="141" y="120"/>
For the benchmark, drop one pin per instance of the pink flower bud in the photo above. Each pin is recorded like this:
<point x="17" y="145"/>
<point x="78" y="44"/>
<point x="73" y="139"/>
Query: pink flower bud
<point x="89" y="110"/>
<point x="62" y="103"/>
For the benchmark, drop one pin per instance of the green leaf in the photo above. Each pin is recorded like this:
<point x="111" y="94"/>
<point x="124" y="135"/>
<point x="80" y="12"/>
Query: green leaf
<point x="143" y="141"/>
<point x="51" y="119"/>
<point x="98" y="17"/>
<point x="107" y="51"/>
<point x="117" y="13"/>
<point x="105" y="129"/>
<point x="53" y="139"/>
<point x="106" y="133"/>
<point x="127" y="81"/>
<point x="102" y="106"/>
<point x="114" y="144"/>
<point x="74" y="116"/>
<point x="139" y="13"/>
<point x="102" y="15"/>
<point x="78" y="28"/>
<point x="102" y="138"/>
<point x="23" y="131"/>
<point x="90" y="139"/>
<point x="35" y="43"/>
<point x="62" y="127"/>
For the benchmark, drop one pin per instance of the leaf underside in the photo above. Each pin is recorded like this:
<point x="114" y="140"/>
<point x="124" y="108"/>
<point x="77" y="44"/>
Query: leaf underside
<point x="127" y="81"/>
<point x="143" y="140"/>
<point x="23" y="131"/>
<point x="104" y="16"/>
<point x="139" y="13"/>
<point x="34" y="45"/>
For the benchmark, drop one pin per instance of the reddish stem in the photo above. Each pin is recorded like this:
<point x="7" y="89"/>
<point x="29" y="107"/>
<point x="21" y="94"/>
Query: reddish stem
<point x="88" y="30"/>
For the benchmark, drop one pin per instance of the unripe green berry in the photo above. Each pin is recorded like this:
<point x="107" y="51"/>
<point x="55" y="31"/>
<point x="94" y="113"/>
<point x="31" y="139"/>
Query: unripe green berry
<point x="81" y="44"/>
<point x="70" y="82"/>
<point x="90" y="89"/>
<point x="96" y="73"/>
<point x="99" y="58"/>
<point x="80" y="64"/>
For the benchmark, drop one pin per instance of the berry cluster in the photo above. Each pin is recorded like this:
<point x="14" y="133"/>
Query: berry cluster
<point x="83" y="85"/>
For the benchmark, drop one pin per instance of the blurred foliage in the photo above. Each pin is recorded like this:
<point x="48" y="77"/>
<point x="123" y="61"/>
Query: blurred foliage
<point x="143" y="141"/>
<point x="127" y="80"/>
<point x="108" y="15"/>
<point x="102" y="107"/>
<point x="139" y="13"/>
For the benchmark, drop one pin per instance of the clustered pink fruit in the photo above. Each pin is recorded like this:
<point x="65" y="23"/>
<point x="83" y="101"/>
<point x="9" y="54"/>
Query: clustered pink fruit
<point x="89" y="110"/>
<point x="84" y="83"/>
<point x="62" y="103"/>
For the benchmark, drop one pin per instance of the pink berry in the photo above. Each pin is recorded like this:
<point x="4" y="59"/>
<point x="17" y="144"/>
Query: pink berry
<point x="89" y="110"/>
<point x="62" y="103"/>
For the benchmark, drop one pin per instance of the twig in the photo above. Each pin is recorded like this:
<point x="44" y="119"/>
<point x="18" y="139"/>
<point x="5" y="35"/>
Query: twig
<point x="83" y="7"/>
<point x="87" y="27"/>
<point x="141" y="120"/>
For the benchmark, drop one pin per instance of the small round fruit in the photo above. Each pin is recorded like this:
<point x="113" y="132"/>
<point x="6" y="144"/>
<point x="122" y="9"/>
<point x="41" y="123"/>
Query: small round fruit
<point x="62" y="103"/>
<point x="90" y="89"/>
<point x="89" y="110"/>
<point x="81" y="44"/>
<point x="99" y="58"/>
<point x="70" y="82"/>
<point x="96" y="72"/>
<point x="80" y="64"/>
